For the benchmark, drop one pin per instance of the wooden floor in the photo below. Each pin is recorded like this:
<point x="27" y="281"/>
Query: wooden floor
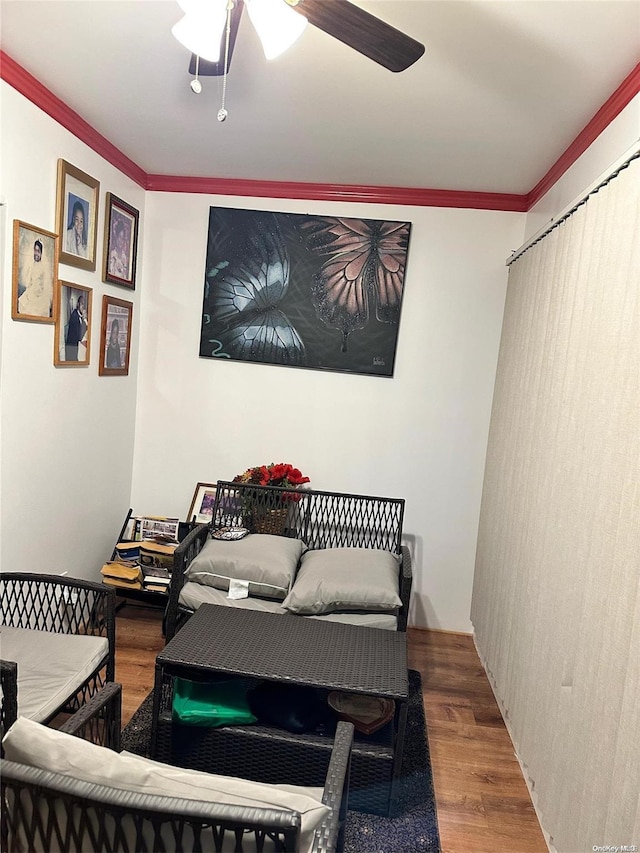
<point x="483" y="802"/>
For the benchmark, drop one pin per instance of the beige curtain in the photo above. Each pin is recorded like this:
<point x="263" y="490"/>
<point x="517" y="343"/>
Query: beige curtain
<point x="556" y="601"/>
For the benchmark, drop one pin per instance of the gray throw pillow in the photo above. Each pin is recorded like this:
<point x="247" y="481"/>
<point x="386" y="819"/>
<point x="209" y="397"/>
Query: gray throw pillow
<point x="331" y="579"/>
<point x="266" y="563"/>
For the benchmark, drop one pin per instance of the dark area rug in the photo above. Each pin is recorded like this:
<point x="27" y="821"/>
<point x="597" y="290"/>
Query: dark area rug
<point x="414" y="830"/>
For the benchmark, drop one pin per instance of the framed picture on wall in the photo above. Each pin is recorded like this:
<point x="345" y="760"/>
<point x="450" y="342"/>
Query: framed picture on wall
<point x="77" y="216"/>
<point x="115" y="336"/>
<point x="72" y="345"/>
<point x="33" y="273"/>
<point x="202" y="503"/>
<point x="120" y="242"/>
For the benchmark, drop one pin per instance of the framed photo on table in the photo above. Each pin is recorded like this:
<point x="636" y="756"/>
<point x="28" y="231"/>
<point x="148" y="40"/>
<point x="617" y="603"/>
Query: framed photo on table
<point x="72" y="347"/>
<point x="77" y="216"/>
<point x="202" y="503"/>
<point x="115" y="336"/>
<point x="120" y="242"/>
<point x="34" y="273"/>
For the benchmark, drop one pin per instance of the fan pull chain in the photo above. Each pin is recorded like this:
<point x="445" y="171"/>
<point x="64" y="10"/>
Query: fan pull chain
<point x="196" y="85"/>
<point x="222" y="112"/>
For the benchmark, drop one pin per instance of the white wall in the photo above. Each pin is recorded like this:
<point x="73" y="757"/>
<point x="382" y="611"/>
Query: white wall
<point x="420" y="435"/>
<point x="69" y="464"/>
<point x="66" y="445"/>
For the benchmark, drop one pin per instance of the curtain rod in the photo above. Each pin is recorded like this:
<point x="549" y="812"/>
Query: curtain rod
<point x="612" y="173"/>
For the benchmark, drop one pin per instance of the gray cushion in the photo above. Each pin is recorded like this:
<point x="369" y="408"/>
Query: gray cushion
<point x="51" y="667"/>
<point x="192" y="595"/>
<point x="35" y="745"/>
<point x="386" y="620"/>
<point x="331" y="579"/>
<point x="266" y="563"/>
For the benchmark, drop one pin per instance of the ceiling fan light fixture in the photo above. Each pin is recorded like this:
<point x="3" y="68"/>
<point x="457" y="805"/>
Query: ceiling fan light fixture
<point x="200" y="31"/>
<point x="277" y="25"/>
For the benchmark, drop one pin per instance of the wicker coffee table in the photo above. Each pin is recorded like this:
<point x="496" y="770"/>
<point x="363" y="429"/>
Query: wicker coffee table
<point x="295" y="650"/>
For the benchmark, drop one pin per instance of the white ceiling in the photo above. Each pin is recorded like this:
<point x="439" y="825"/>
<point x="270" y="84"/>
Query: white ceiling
<point x="503" y="88"/>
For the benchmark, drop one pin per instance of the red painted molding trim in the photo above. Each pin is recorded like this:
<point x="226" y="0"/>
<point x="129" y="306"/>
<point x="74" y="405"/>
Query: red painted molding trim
<point x="405" y="196"/>
<point x="25" y="83"/>
<point x="622" y="96"/>
<point x="20" y="79"/>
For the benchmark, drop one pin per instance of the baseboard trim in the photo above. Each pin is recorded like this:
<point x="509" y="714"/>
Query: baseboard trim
<point x="440" y="631"/>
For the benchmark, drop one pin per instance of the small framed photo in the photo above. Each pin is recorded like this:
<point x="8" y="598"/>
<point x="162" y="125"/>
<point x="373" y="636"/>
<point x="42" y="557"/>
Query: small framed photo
<point x="72" y="347"/>
<point x="77" y="216"/>
<point x="202" y="504"/>
<point x="115" y="336"/>
<point x="120" y="242"/>
<point x="34" y="273"/>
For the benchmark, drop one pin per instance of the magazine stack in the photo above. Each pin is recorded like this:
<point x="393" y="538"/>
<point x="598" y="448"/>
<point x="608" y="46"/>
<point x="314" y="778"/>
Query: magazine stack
<point x="144" y="562"/>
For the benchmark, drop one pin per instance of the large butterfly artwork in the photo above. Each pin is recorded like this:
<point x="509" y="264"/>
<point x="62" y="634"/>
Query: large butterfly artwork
<point x="365" y="265"/>
<point x="241" y="317"/>
<point x="305" y="291"/>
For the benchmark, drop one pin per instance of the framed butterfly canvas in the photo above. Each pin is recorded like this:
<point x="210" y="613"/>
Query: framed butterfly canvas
<point x="320" y="292"/>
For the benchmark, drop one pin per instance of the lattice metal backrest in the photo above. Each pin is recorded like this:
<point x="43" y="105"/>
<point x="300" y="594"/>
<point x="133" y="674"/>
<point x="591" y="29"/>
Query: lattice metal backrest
<point x="321" y="519"/>
<point x="57" y="604"/>
<point x="47" y="811"/>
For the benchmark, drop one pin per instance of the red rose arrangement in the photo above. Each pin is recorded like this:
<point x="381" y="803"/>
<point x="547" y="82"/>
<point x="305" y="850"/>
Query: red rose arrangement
<point x="276" y="474"/>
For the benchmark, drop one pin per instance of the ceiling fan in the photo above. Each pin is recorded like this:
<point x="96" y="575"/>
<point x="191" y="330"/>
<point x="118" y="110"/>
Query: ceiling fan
<point x="341" y="19"/>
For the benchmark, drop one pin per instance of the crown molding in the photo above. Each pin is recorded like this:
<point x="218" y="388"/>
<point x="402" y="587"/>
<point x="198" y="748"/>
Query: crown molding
<point x="406" y="196"/>
<point x="33" y="90"/>
<point x="25" y="83"/>
<point x="612" y="107"/>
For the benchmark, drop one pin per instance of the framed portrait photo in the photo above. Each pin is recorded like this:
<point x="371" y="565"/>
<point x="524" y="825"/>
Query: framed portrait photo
<point x="72" y="346"/>
<point x="115" y="336"/>
<point x="34" y="273"/>
<point x="202" y="504"/>
<point x="77" y="216"/>
<point x="120" y="242"/>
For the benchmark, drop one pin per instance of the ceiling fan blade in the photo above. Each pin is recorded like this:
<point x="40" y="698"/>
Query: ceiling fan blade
<point x="362" y="31"/>
<point x="216" y="69"/>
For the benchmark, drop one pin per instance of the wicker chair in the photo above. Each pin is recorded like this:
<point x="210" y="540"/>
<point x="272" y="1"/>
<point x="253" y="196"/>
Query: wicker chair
<point x="34" y="603"/>
<point x="45" y="810"/>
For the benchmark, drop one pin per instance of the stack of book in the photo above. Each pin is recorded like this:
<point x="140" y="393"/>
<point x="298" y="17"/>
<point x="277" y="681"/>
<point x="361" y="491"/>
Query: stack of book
<point x="128" y="552"/>
<point x="125" y="574"/>
<point x="155" y="579"/>
<point x="144" y="564"/>
<point x="156" y="562"/>
<point x="159" y="555"/>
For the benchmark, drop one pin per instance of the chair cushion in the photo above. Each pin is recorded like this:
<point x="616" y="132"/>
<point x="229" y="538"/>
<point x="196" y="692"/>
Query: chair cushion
<point x="51" y="667"/>
<point x="35" y="745"/>
<point x="192" y="595"/>
<point x="266" y="564"/>
<point x="331" y="579"/>
<point x="386" y="620"/>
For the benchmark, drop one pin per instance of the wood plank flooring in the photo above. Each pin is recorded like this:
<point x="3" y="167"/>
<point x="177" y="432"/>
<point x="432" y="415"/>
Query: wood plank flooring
<point x="482" y="800"/>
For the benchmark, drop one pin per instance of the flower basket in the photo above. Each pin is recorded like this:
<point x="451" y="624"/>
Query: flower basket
<point x="265" y="517"/>
<point x="271" y="521"/>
